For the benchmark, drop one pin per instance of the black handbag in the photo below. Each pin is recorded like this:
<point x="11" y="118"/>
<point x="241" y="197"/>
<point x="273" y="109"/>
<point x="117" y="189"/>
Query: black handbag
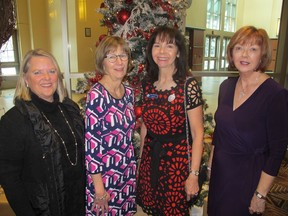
<point x="203" y="168"/>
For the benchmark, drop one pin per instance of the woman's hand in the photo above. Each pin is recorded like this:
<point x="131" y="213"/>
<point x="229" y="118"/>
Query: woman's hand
<point x="100" y="205"/>
<point x="191" y="186"/>
<point x="258" y="201"/>
<point x="257" y="205"/>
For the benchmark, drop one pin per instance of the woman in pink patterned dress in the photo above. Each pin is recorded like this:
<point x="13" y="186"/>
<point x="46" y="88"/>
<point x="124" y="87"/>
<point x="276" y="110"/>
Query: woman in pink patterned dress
<point x="110" y="120"/>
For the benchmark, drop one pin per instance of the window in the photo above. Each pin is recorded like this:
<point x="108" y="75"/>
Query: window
<point x="9" y="57"/>
<point x="223" y="60"/>
<point x="230" y="16"/>
<point x="213" y="14"/>
<point x="220" y="28"/>
<point x="211" y="50"/>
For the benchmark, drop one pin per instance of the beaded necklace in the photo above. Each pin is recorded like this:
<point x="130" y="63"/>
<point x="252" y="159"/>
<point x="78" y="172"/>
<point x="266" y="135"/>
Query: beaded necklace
<point x="63" y="142"/>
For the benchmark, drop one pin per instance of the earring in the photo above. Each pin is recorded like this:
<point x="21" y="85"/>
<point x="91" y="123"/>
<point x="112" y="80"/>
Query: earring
<point x="27" y="85"/>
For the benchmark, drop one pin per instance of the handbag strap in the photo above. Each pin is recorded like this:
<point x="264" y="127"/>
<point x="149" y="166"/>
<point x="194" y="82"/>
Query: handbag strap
<point x="187" y="126"/>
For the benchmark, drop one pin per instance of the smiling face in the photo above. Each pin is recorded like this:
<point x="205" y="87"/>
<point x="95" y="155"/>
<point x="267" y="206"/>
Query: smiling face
<point x="115" y="65"/>
<point x="246" y="57"/>
<point x="164" y="53"/>
<point x="42" y="77"/>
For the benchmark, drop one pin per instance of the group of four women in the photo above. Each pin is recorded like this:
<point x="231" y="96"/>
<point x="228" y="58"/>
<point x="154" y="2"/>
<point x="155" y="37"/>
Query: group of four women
<point x="50" y="160"/>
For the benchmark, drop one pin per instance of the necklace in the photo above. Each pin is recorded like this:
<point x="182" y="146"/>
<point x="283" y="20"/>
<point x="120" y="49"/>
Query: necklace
<point x="243" y="92"/>
<point x="63" y="142"/>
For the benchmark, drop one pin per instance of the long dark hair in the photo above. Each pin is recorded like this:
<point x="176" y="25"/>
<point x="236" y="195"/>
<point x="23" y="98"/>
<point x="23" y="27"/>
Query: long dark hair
<point x="171" y="35"/>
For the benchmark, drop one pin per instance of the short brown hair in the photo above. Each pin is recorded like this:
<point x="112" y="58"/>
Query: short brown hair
<point x="108" y="44"/>
<point x="250" y="34"/>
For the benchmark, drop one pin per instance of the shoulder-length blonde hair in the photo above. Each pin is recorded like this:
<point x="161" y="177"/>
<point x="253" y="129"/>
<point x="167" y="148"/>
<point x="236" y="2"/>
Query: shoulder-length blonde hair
<point x="22" y="91"/>
<point x="251" y="35"/>
<point x="107" y="45"/>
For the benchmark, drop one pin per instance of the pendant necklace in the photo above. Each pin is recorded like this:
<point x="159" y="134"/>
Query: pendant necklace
<point x="63" y="142"/>
<point x="243" y="92"/>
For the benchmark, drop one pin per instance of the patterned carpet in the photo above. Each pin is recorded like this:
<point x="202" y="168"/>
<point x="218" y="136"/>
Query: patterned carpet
<point x="277" y="199"/>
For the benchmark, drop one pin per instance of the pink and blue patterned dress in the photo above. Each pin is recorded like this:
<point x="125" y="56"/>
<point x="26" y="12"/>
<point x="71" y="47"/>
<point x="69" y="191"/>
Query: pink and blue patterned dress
<point x="108" y="147"/>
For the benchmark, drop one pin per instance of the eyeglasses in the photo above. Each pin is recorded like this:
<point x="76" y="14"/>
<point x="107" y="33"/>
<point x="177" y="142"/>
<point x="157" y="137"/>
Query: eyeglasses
<point x="112" y="57"/>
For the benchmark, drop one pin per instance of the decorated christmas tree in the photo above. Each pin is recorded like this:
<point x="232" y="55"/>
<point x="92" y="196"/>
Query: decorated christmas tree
<point x="135" y="20"/>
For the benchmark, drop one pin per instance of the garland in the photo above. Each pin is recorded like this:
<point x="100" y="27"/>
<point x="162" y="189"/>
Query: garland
<point x="7" y="21"/>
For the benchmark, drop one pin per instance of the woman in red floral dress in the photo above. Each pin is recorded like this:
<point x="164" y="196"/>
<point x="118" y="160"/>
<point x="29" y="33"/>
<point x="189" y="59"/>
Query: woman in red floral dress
<point x="165" y="183"/>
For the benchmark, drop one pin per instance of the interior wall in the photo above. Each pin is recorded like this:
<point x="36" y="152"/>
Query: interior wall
<point x="24" y="37"/>
<point x="39" y="25"/>
<point x="72" y="36"/>
<point x="54" y="25"/>
<point x="275" y="18"/>
<point x="196" y="14"/>
<point x="261" y="13"/>
<point x="32" y="25"/>
<point x="87" y="17"/>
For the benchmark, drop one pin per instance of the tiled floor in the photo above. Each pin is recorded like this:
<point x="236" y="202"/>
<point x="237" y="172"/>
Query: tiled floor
<point x="6" y="100"/>
<point x="210" y="89"/>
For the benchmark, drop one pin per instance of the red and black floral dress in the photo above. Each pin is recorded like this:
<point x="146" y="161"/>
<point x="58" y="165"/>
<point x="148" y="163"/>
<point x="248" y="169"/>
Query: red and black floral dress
<point x="164" y="163"/>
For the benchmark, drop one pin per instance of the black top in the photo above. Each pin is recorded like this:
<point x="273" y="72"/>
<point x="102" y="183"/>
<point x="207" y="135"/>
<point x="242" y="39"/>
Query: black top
<point x="52" y="112"/>
<point x="36" y="175"/>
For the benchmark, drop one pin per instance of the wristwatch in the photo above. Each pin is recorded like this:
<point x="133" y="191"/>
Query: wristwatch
<point x="259" y="196"/>
<point x="195" y="172"/>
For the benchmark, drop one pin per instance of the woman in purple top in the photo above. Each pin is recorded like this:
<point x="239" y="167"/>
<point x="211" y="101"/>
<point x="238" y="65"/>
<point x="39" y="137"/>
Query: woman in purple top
<point x="110" y="120"/>
<point x="250" y="137"/>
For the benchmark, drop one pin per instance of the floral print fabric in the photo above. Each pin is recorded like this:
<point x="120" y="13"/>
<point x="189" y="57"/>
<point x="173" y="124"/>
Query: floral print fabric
<point x="164" y="163"/>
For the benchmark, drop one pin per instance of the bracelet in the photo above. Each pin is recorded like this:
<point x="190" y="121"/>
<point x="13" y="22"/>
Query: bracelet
<point x="194" y="172"/>
<point x="208" y="168"/>
<point x="101" y="198"/>
<point x="260" y="196"/>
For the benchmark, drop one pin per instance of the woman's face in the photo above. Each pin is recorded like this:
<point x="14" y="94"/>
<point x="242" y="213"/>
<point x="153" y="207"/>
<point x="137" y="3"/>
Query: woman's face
<point x="115" y="64"/>
<point x="164" y="53"/>
<point x="42" y="77"/>
<point x="246" y="57"/>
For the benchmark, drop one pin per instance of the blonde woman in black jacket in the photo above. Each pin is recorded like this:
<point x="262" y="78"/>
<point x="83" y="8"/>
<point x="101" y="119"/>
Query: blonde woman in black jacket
<point x="41" y="143"/>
